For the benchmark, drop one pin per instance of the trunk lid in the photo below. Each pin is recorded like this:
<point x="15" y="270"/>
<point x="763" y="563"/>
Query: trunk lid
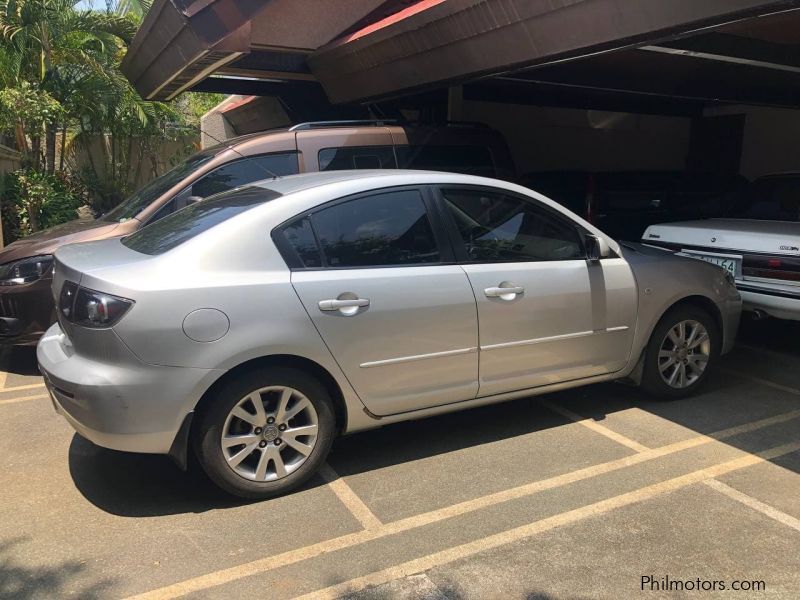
<point x="741" y="235"/>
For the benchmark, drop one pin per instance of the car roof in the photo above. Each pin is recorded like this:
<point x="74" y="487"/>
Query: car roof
<point x="295" y="183"/>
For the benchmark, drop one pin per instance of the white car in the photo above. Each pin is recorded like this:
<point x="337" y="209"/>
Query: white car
<point x="760" y="248"/>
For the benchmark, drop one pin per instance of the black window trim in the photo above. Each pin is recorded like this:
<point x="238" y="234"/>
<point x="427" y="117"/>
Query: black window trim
<point x="293" y="261"/>
<point x="454" y="235"/>
<point x="382" y="146"/>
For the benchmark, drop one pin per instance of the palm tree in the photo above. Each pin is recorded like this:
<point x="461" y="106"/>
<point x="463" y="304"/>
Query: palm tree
<point x="56" y="48"/>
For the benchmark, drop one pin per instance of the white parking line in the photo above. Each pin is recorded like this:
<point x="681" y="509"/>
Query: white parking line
<point x="23" y="399"/>
<point x="449" y="555"/>
<point x="767" y="382"/>
<point x="290" y="557"/>
<point x="595" y="426"/>
<point x="349" y="498"/>
<point x="765" y="509"/>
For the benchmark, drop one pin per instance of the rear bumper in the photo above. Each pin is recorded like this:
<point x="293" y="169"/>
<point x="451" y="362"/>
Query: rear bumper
<point x="122" y="404"/>
<point x="776" y="303"/>
<point x="26" y="311"/>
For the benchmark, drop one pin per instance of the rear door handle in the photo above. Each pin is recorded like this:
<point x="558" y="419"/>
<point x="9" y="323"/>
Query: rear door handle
<point x="506" y="293"/>
<point x="334" y="304"/>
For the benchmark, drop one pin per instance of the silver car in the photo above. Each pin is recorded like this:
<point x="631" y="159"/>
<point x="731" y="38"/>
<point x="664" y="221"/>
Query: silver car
<point x="254" y="327"/>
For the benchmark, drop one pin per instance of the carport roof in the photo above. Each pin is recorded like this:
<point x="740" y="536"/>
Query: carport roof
<point x="738" y="51"/>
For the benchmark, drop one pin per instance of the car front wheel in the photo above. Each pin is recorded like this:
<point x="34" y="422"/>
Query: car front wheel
<point x="265" y="433"/>
<point x="681" y="351"/>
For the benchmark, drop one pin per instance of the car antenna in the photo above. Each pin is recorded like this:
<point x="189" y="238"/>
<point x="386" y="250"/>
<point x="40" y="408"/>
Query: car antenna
<point x="231" y="148"/>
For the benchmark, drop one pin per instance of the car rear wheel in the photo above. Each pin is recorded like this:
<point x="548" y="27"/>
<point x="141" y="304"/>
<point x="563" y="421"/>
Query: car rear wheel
<point x="682" y="349"/>
<point x="265" y="433"/>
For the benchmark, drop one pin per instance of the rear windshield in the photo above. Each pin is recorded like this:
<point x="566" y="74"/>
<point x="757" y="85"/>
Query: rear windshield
<point x="177" y="228"/>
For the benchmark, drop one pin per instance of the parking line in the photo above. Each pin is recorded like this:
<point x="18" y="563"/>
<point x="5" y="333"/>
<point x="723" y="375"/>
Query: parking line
<point x="765" y="509"/>
<point x="349" y="498"/>
<point x="767" y="382"/>
<point x="19" y="388"/>
<point x="290" y="557"/>
<point x="449" y="555"/>
<point x="595" y="426"/>
<point x="23" y="399"/>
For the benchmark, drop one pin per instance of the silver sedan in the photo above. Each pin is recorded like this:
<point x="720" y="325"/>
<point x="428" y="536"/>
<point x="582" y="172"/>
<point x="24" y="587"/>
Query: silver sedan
<point x="254" y="327"/>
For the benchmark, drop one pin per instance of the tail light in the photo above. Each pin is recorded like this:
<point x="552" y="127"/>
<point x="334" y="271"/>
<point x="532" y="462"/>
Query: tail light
<point x="782" y="268"/>
<point x="90" y="308"/>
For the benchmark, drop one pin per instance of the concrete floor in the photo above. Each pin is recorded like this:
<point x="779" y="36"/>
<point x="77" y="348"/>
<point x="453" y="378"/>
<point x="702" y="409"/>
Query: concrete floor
<point x="578" y="494"/>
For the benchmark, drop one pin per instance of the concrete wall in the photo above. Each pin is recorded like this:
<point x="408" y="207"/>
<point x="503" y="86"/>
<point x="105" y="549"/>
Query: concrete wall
<point x="771" y="141"/>
<point x="544" y="138"/>
<point x="145" y="164"/>
<point x="240" y="115"/>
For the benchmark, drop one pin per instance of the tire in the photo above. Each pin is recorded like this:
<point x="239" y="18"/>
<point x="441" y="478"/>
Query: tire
<point x="658" y="369"/>
<point x="258" y="447"/>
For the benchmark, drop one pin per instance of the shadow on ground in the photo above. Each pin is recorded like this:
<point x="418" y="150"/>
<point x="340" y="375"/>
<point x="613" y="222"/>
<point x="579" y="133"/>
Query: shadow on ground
<point x="19" y="360"/>
<point x="145" y="485"/>
<point x="51" y="581"/>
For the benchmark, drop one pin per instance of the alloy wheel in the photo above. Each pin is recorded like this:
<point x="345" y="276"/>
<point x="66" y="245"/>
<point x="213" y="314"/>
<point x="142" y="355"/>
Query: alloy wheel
<point x="684" y="354"/>
<point x="269" y="433"/>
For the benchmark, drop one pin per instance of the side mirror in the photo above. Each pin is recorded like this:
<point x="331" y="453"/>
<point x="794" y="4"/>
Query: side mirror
<point x="596" y="248"/>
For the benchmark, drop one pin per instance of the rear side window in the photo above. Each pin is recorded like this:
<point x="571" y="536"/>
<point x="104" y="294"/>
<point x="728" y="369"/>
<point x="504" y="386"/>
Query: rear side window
<point x="470" y="160"/>
<point x="181" y="226"/>
<point x="495" y="227"/>
<point x="357" y="157"/>
<point x="301" y="238"/>
<point x="244" y="171"/>
<point x="383" y="229"/>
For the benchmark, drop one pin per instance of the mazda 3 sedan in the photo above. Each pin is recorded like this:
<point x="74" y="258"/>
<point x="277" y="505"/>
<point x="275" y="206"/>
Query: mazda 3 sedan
<point x="254" y="327"/>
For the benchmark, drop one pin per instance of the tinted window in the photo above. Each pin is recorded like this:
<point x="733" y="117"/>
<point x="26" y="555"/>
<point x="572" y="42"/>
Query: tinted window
<point x="150" y="192"/>
<point x="471" y="160"/>
<point x="175" y="229"/>
<point x="362" y="157"/>
<point x="500" y="228"/>
<point x="244" y="171"/>
<point x="301" y="238"/>
<point x="384" y="229"/>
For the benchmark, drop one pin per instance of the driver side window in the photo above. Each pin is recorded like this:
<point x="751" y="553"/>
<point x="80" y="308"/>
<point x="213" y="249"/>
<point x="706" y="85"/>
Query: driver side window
<point x="496" y="227"/>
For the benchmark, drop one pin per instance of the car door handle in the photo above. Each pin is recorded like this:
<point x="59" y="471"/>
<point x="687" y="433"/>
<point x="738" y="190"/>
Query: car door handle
<point x="499" y="292"/>
<point x="334" y="304"/>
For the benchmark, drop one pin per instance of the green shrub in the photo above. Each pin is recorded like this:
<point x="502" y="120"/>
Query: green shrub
<point x="33" y="200"/>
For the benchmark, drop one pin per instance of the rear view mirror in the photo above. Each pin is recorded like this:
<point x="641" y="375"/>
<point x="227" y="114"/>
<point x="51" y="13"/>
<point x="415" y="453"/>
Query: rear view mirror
<point x="596" y="248"/>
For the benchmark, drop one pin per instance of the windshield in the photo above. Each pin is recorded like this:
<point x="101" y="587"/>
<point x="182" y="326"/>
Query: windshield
<point x="770" y="199"/>
<point x="141" y="199"/>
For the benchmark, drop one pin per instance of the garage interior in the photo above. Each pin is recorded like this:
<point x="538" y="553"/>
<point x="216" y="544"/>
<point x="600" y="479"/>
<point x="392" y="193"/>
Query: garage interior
<point x="709" y="87"/>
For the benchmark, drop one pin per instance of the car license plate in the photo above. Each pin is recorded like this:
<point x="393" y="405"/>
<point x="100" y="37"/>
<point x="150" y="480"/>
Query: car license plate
<point x="729" y="263"/>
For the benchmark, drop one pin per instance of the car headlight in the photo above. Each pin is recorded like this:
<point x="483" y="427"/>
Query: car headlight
<point x="25" y="270"/>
